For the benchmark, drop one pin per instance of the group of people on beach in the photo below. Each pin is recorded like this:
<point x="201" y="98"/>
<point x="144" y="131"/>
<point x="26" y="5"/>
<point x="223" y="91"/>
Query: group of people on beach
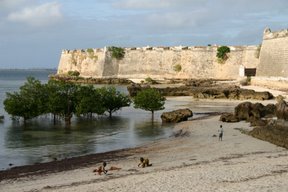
<point x="144" y="162"/>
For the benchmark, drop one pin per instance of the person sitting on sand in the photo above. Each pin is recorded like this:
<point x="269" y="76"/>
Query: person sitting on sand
<point x="144" y="162"/>
<point x="101" y="169"/>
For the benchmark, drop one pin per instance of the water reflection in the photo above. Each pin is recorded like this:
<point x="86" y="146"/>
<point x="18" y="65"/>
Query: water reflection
<point x="41" y="141"/>
<point x="148" y="129"/>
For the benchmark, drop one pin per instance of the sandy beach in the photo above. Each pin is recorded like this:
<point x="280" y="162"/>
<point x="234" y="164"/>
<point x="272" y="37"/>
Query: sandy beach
<point x="195" y="160"/>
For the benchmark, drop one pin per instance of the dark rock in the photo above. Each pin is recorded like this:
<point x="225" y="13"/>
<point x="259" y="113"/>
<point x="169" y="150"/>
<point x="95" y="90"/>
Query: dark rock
<point x="177" y="115"/>
<point x="243" y="111"/>
<point x="228" y="117"/>
<point x="209" y="92"/>
<point x="254" y="112"/>
<point x="90" y="80"/>
<point x="276" y="133"/>
<point x="282" y="110"/>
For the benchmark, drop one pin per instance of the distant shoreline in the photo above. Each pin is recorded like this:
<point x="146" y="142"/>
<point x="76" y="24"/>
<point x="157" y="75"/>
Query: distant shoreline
<point x="28" y="69"/>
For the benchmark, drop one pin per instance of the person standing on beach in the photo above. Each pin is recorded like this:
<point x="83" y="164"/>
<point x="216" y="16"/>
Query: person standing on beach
<point x="220" y="133"/>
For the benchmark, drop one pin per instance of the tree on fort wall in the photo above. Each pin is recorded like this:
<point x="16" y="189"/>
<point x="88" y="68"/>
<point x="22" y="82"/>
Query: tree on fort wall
<point x="222" y="53"/>
<point x="117" y="52"/>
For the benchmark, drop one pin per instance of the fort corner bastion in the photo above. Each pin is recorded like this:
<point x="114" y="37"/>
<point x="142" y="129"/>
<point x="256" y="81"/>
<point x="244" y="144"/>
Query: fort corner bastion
<point x="270" y="59"/>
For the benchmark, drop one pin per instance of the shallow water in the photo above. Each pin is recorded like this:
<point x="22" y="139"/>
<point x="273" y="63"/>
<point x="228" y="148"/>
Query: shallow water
<point x="41" y="141"/>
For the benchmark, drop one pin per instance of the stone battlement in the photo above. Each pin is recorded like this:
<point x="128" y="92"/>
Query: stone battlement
<point x="162" y="48"/>
<point x="268" y="34"/>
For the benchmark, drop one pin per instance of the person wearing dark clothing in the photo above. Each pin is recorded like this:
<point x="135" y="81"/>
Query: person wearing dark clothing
<point x="220" y="133"/>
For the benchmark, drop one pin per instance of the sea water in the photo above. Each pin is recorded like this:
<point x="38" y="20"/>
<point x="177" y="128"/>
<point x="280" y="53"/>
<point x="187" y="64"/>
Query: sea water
<point x="41" y="141"/>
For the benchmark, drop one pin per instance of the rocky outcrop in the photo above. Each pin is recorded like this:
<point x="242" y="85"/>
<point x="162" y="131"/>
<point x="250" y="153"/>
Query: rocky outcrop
<point x="229" y="118"/>
<point x="276" y="133"/>
<point x="176" y="116"/>
<point x="282" y="110"/>
<point x="83" y="80"/>
<point x="247" y="111"/>
<point x="260" y="116"/>
<point x="251" y="112"/>
<point x="211" y="92"/>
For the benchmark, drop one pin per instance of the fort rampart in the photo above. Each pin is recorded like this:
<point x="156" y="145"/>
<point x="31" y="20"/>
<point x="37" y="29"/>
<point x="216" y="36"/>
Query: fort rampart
<point x="274" y="54"/>
<point x="158" y="62"/>
<point x="182" y="61"/>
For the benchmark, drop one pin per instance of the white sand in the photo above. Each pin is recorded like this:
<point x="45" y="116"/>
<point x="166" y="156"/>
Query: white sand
<point x="198" y="162"/>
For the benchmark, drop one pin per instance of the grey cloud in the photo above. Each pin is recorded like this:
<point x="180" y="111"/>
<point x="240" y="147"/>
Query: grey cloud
<point x="41" y="15"/>
<point x="159" y="4"/>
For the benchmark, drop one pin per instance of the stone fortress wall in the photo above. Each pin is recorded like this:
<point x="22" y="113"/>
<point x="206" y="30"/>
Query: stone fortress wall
<point x="274" y="54"/>
<point x="195" y="61"/>
<point x="158" y="62"/>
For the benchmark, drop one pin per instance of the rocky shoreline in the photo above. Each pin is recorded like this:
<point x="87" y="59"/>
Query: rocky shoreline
<point x="197" y="88"/>
<point x="219" y="91"/>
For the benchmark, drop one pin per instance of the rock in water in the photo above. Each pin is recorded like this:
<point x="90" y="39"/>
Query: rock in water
<point x="176" y="116"/>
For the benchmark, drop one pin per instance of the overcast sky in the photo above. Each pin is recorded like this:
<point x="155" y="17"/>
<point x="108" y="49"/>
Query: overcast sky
<point x="33" y="32"/>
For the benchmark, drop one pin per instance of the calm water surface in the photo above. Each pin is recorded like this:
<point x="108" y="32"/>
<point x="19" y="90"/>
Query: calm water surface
<point x="41" y="141"/>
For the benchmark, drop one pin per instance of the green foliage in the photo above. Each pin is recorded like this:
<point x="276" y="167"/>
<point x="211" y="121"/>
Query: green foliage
<point x="29" y="102"/>
<point x="149" y="100"/>
<point x="90" y="51"/>
<point x="89" y="101"/>
<point x="91" y="55"/>
<point x="222" y="53"/>
<point x="116" y="52"/>
<point x="113" y="100"/>
<point x="63" y="99"/>
<point x="177" y="68"/>
<point x="74" y="73"/>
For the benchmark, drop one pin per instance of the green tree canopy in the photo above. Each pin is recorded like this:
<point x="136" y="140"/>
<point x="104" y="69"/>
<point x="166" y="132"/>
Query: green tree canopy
<point x="63" y="99"/>
<point x="66" y="98"/>
<point x="149" y="100"/>
<point x="113" y="100"/>
<point x="89" y="101"/>
<point x="117" y="52"/>
<point x="222" y="52"/>
<point x="29" y="102"/>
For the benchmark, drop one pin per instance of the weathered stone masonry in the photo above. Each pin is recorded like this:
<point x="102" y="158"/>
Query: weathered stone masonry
<point x="195" y="61"/>
<point x="274" y="54"/>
